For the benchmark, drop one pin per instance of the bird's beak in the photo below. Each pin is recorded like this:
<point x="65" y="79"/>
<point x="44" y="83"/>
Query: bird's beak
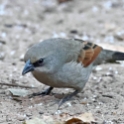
<point x="28" y="67"/>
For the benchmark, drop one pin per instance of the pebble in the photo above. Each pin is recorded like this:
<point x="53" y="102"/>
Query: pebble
<point x="28" y="114"/>
<point x="107" y="5"/>
<point x="85" y="38"/>
<point x="98" y="68"/>
<point x="2" y="56"/>
<point x="120" y="35"/>
<point x="21" y="117"/>
<point x="95" y="9"/>
<point x="22" y="57"/>
<point x="104" y="99"/>
<point x="74" y="31"/>
<point x="12" y="53"/>
<point x="69" y="104"/>
<point x="2" y="42"/>
<point x="41" y="113"/>
<point x="109" y="39"/>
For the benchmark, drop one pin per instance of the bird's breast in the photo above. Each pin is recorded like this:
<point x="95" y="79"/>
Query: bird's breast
<point x="71" y="75"/>
<point x="43" y="78"/>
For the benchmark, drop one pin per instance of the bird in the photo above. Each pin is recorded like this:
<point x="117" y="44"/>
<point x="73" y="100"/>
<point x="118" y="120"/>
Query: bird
<point x="65" y="63"/>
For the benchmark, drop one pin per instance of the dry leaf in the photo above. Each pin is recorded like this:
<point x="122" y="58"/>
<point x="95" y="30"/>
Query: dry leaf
<point x="75" y="121"/>
<point x="18" y="92"/>
<point x="85" y="118"/>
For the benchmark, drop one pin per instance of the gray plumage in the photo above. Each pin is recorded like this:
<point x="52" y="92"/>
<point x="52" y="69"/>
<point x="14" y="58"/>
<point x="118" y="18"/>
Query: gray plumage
<point x="65" y="62"/>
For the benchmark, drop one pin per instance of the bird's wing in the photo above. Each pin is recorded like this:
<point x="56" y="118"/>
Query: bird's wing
<point x="88" y="53"/>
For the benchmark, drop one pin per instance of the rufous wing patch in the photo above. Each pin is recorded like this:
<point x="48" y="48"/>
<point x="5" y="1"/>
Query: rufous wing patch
<point x="88" y="53"/>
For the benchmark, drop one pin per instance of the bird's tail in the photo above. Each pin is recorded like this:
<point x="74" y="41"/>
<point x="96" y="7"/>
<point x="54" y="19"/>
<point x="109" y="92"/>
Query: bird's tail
<point x="118" y="56"/>
<point x="109" y="56"/>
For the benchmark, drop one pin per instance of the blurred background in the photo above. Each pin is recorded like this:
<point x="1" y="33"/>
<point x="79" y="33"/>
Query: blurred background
<point x="26" y="22"/>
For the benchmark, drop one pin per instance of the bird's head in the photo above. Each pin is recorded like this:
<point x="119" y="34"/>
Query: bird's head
<point x="42" y="57"/>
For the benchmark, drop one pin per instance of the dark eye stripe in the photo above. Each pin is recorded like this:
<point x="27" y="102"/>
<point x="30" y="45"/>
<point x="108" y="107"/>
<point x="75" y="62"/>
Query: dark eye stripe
<point x="38" y="63"/>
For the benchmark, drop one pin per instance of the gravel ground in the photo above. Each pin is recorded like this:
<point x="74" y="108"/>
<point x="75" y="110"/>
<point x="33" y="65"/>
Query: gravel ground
<point x="26" y="22"/>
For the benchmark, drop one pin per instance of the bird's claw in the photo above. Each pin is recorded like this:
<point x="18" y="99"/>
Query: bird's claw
<point x="46" y="92"/>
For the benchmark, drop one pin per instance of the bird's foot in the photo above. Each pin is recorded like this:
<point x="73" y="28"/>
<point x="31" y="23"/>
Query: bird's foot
<point x="46" y="92"/>
<point x="68" y="97"/>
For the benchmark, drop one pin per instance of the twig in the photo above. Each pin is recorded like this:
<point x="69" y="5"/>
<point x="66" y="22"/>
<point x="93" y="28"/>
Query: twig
<point x="110" y="96"/>
<point x="16" y="85"/>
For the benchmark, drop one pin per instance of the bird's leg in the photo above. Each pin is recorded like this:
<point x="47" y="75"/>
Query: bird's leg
<point x="66" y="98"/>
<point x="46" y="92"/>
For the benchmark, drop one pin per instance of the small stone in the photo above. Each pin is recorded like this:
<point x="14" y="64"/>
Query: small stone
<point x="104" y="99"/>
<point x="41" y="113"/>
<point x="13" y="63"/>
<point x="2" y="56"/>
<point x="2" y="42"/>
<point x="22" y="57"/>
<point x="21" y="117"/>
<point x="95" y="9"/>
<point x="28" y="114"/>
<point x="107" y="5"/>
<point x="98" y="111"/>
<point x="98" y="68"/>
<point x="3" y="34"/>
<point x="12" y="53"/>
<point x="73" y="31"/>
<point x="69" y="104"/>
<point x="120" y="35"/>
<point x="85" y="38"/>
<point x="62" y="34"/>
<point x="109" y="39"/>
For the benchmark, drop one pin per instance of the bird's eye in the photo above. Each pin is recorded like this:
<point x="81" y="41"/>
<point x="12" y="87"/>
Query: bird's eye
<point x="40" y="61"/>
